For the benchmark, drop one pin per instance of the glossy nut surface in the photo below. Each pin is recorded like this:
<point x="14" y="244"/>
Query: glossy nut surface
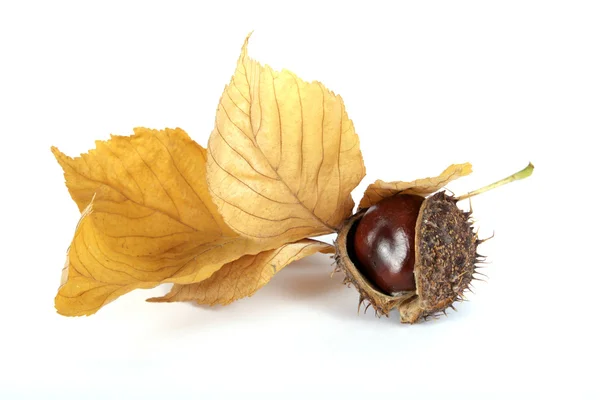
<point x="384" y="243"/>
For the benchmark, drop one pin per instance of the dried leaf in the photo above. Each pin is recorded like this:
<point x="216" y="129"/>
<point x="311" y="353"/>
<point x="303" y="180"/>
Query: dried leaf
<point x="243" y="277"/>
<point x="147" y="219"/>
<point x="283" y="156"/>
<point x="380" y="190"/>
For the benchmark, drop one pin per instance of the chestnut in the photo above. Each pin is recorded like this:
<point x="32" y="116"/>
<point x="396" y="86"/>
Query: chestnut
<point x="384" y="243"/>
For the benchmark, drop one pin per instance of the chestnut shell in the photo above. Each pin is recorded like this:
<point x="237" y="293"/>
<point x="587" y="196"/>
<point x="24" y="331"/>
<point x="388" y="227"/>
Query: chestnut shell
<point x="445" y="260"/>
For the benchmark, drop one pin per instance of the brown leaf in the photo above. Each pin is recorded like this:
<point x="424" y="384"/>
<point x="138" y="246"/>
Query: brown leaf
<point x="380" y="190"/>
<point x="283" y="156"/>
<point x="147" y="218"/>
<point x="243" y="277"/>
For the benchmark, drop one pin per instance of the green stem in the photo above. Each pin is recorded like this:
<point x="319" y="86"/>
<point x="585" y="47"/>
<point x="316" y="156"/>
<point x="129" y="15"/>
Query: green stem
<point x="522" y="174"/>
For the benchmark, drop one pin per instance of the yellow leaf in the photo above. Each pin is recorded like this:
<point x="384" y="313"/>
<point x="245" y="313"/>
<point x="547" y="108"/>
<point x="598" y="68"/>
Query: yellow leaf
<point x="380" y="190"/>
<point x="147" y="218"/>
<point x="243" y="277"/>
<point x="283" y="156"/>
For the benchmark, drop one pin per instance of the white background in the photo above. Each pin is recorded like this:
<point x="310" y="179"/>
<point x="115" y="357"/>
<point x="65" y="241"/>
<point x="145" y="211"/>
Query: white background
<point x="427" y="84"/>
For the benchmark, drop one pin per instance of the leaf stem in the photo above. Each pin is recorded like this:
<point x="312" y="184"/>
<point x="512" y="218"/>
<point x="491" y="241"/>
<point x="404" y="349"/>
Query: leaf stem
<point x="522" y="174"/>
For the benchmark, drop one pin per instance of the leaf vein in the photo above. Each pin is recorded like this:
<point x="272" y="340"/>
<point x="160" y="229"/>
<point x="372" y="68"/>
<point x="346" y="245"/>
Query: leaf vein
<point x="235" y="104"/>
<point x="254" y="215"/>
<point x="157" y="179"/>
<point x="238" y="89"/>
<point x="242" y="157"/>
<point x="322" y="146"/>
<point x="185" y="179"/>
<point x="244" y="183"/>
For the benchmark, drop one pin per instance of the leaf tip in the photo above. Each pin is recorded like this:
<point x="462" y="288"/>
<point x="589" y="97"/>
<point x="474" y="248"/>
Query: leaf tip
<point x="467" y="168"/>
<point x="164" y="299"/>
<point x="64" y="311"/>
<point x="327" y="249"/>
<point x="244" y="52"/>
<point x="155" y="300"/>
<point x="61" y="158"/>
<point x="57" y="153"/>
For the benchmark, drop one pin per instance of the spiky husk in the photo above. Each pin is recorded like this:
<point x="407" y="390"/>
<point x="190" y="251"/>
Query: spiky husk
<point x="445" y="261"/>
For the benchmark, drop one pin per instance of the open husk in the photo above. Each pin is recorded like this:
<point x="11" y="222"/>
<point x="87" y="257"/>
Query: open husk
<point x="445" y="261"/>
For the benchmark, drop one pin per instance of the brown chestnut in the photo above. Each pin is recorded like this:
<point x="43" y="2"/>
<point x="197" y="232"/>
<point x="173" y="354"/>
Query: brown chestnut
<point x="384" y="243"/>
